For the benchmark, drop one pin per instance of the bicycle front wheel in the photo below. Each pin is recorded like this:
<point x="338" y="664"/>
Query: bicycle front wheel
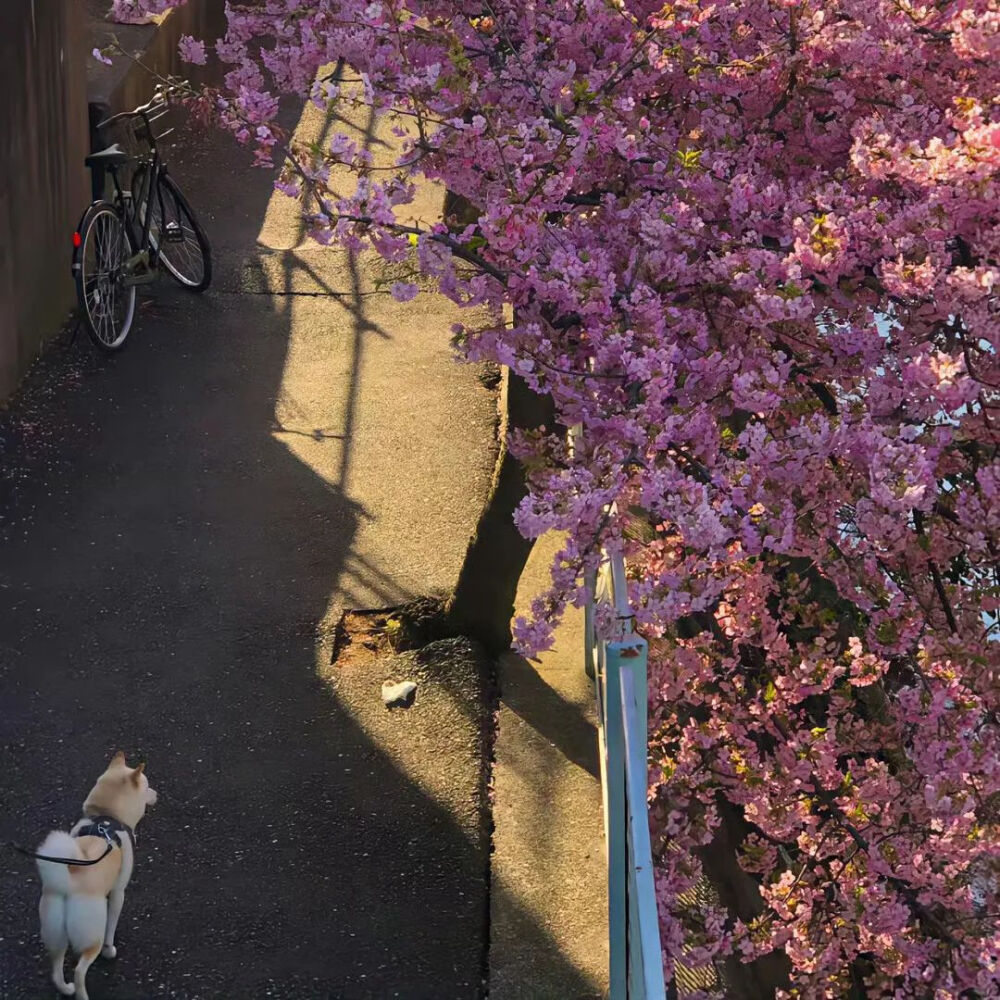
<point x="176" y="235"/>
<point x="108" y="303"/>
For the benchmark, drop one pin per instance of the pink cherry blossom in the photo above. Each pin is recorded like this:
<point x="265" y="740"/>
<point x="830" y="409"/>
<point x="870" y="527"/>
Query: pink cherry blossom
<point x="192" y="50"/>
<point x="403" y="291"/>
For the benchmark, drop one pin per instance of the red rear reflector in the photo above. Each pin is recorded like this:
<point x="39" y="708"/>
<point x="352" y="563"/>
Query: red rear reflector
<point x="76" y="239"/>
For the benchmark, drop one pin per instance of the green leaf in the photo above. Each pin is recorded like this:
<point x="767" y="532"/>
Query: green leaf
<point x="689" y="159"/>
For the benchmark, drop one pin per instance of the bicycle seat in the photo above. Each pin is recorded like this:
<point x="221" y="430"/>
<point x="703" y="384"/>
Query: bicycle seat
<point x="111" y="157"/>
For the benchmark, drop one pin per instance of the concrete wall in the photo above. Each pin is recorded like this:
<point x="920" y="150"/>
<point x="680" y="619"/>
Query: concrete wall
<point x="125" y="83"/>
<point x="51" y="90"/>
<point x="129" y="82"/>
<point x="43" y="183"/>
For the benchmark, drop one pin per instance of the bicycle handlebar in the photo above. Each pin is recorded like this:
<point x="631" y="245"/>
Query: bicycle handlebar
<point x="155" y="104"/>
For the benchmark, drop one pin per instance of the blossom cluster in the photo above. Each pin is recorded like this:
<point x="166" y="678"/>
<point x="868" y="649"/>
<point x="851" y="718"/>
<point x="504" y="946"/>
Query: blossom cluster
<point x="753" y="250"/>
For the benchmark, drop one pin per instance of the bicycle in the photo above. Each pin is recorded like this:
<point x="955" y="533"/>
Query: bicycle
<point x="124" y="241"/>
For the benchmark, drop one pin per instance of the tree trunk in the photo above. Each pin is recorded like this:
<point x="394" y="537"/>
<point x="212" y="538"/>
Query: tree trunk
<point x="482" y="604"/>
<point x="739" y="895"/>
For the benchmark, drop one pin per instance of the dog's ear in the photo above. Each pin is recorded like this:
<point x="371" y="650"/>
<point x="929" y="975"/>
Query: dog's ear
<point x="137" y="773"/>
<point x="119" y="757"/>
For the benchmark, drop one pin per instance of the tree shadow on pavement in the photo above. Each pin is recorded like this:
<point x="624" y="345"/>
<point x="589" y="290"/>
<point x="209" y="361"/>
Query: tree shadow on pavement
<point x="555" y="718"/>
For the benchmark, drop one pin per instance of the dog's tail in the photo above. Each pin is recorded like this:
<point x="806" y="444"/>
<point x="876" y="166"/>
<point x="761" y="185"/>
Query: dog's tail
<point x="55" y="877"/>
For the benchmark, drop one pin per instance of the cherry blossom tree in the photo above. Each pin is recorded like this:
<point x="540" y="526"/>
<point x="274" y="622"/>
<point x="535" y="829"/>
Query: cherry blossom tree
<point x="752" y="250"/>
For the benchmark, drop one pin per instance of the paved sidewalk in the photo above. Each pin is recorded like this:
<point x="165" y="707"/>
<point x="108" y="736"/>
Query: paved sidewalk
<point x="181" y="527"/>
<point x="549" y="859"/>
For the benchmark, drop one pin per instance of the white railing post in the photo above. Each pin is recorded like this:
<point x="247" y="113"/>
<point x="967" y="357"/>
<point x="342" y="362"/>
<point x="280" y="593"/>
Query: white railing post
<point x="620" y="676"/>
<point x="645" y="959"/>
<point x="615" y="822"/>
<point x="619" y="669"/>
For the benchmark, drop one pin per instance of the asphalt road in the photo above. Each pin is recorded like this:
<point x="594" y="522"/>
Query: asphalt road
<point x="180" y="526"/>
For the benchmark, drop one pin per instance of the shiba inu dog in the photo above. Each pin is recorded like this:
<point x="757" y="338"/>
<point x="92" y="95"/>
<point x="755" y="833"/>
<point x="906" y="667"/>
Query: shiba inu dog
<point x="84" y="872"/>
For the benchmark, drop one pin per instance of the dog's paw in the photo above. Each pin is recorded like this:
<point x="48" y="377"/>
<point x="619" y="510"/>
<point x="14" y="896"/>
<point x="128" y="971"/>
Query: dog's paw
<point x="66" y="989"/>
<point x="109" y="951"/>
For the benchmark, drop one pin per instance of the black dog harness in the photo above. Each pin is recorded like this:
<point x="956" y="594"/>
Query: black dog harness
<point x="108" y="828"/>
<point x="105" y="827"/>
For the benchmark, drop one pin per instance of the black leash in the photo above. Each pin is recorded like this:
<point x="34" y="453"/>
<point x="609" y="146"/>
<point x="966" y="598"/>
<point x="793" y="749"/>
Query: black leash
<point x="99" y="826"/>
<point x="64" y="861"/>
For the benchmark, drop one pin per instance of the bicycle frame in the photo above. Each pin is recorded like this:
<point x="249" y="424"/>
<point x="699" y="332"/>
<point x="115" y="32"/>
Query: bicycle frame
<point x="131" y="202"/>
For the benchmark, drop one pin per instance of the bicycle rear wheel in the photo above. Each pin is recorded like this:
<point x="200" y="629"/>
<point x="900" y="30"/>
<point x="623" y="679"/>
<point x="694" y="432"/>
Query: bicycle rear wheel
<point x="177" y="236"/>
<point x="108" y="304"/>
